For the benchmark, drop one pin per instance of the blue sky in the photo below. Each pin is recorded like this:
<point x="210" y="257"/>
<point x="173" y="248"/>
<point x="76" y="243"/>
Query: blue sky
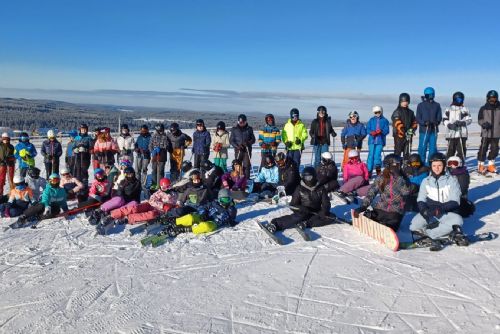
<point x="264" y="56"/>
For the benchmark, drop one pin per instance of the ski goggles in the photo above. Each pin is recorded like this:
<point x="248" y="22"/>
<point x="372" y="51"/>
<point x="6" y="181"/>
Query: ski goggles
<point x="453" y="163"/>
<point x="415" y="163"/>
<point x="308" y="178"/>
<point x="459" y="100"/>
<point x="225" y="200"/>
<point x="54" y="180"/>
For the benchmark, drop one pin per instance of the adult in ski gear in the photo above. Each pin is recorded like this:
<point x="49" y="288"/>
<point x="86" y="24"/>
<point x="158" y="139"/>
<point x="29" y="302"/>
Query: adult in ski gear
<point x="404" y="126"/>
<point x="267" y="179"/>
<point x="242" y="139"/>
<point x="269" y="138"/>
<point x="220" y="144"/>
<point x="429" y="116"/>
<point x="456" y="119"/>
<point x="415" y="171"/>
<point x="310" y="205"/>
<point x="489" y="120"/>
<point x="105" y="148"/>
<point x="7" y="162"/>
<point x="159" y="147"/>
<point x="51" y="152"/>
<point x="179" y="141"/>
<point x="355" y="176"/>
<point x="211" y="175"/>
<point x="289" y="176"/>
<point x="320" y="132"/>
<point x="352" y="135"/>
<point x="83" y="149"/>
<point x="201" y="143"/>
<point x="72" y="185"/>
<point x="99" y="189"/>
<point x="294" y="136"/>
<point x="20" y="198"/>
<point x="235" y="180"/>
<point x="35" y="182"/>
<point x="457" y="169"/>
<point x="377" y="128"/>
<point x="438" y="198"/>
<point x="25" y="153"/>
<point x="142" y="154"/>
<point x="327" y="172"/>
<point x="69" y="157"/>
<point x="126" y="144"/>
<point x="392" y="188"/>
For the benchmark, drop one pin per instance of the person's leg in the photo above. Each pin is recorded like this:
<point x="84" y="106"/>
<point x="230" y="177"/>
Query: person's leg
<point x="422" y="146"/>
<point x="390" y="219"/>
<point x="493" y="149"/>
<point x="352" y="184"/>
<point x="316" y="155"/>
<point x="161" y="170"/>
<point x="10" y="175"/>
<point x="154" y="172"/>
<point x="124" y="210"/>
<point x="418" y="223"/>
<point x="317" y="221"/>
<point x="34" y="210"/>
<point x="432" y="144"/>
<point x="3" y="176"/>
<point x="483" y="148"/>
<point x="48" y="169"/>
<point x="138" y="168"/>
<point x="247" y="166"/>
<point x="445" y="225"/>
<point x="451" y="147"/>
<point x="369" y="160"/>
<point x="143" y="216"/>
<point x="377" y="155"/>
<point x="289" y="221"/>
<point x="112" y="203"/>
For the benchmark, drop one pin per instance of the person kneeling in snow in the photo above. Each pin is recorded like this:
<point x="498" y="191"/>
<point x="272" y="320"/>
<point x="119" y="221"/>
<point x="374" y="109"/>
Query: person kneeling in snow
<point x="20" y="197"/>
<point x="310" y="205"/>
<point x="456" y="168"/>
<point x="438" y="197"/>
<point x="267" y="180"/>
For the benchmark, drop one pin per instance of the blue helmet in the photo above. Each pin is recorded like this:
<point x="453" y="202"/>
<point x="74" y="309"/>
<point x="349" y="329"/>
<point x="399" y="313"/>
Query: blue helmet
<point x="429" y="93"/>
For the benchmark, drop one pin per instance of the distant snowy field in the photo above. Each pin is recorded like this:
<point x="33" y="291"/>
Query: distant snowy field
<point x="61" y="278"/>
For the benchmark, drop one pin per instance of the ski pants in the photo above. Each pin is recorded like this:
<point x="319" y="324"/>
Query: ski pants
<point x="158" y="171"/>
<point x="352" y="184"/>
<point x="456" y="146"/>
<point x="6" y="171"/>
<point x="446" y="222"/>
<point x="374" y="157"/>
<point x="289" y="221"/>
<point x="317" y="151"/>
<point x="51" y="166"/>
<point x="176" y="158"/>
<point x="113" y="203"/>
<point x="136" y="212"/>
<point x="492" y="144"/>
<point x="427" y="140"/>
<point x="244" y="157"/>
<point x="222" y="163"/>
<point x="82" y="164"/>
<point x="402" y="146"/>
<point x="198" y="159"/>
<point x="141" y="168"/>
<point x="295" y="155"/>
<point x="39" y="208"/>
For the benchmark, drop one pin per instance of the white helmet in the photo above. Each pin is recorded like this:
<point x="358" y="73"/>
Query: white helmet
<point x="377" y="109"/>
<point x="18" y="179"/>
<point x="353" y="114"/>
<point x="353" y="153"/>
<point x="327" y="156"/>
<point x="5" y="135"/>
<point x="50" y="134"/>
<point x="456" y="160"/>
<point x="64" y="170"/>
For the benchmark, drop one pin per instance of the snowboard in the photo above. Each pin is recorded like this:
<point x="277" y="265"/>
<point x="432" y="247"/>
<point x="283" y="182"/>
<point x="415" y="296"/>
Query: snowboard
<point x="270" y="235"/>
<point x="425" y="242"/>
<point x="383" y="234"/>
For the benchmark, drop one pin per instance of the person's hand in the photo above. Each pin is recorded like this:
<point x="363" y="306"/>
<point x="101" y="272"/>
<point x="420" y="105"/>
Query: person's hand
<point x="373" y="133"/>
<point x="298" y="141"/>
<point x="379" y="132"/>
<point x="288" y="144"/>
<point x="486" y="125"/>
<point x="452" y="126"/>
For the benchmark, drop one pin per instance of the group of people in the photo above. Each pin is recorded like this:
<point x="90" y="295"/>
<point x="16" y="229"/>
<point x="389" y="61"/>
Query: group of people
<point x="205" y="187"/>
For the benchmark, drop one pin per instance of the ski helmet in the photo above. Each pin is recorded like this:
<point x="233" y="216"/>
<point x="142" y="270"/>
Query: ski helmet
<point x="84" y="126"/>
<point x="269" y="119"/>
<point x="129" y="172"/>
<point x="429" y="93"/>
<point x="224" y="197"/>
<point x="54" y="180"/>
<point x="159" y="127"/>
<point x="206" y="165"/>
<point x="280" y="159"/>
<point x="309" y="176"/>
<point x="294" y="113"/>
<point x="18" y="179"/>
<point x="354" y="114"/>
<point x="186" y="166"/>
<point x="458" y="98"/>
<point x="242" y="118"/>
<point x="174" y="127"/>
<point x="392" y="160"/>
<point x="99" y="174"/>
<point x="125" y="163"/>
<point x="492" y="93"/>
<point x="200" y="122"/>
<point x="221" y="125"/>
<point x="34" y="172"/>
<point x="414" y="160"/>
<point x="322" y="109"/>
<point x="164" y="184"/>
<point x="124" y="127"/>
<point x="51" y="134"/>
<point x="438" y="156"/>
<point x="24" y="137"/>
<point x="65" y="170"/>
<point x="404" y="97"/>
<point x="377" y="109"/>
<point x="326" y="157"/>
<point x="454" y="161"/>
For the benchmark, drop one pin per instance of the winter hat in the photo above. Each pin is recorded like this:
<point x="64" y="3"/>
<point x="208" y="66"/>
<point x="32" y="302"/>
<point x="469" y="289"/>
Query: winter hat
<point x="327" y="156"/>
<point x="5" y="135"/>
<point x="376" y="109"/>
<point x="353" y="154"/>
<point x="50" y="134"/>
<point x="64" y="170"/>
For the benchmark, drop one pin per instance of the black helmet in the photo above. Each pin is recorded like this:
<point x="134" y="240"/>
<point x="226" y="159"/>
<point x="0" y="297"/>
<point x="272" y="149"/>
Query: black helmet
<point x="221" y="125"/>
<point x="186" y="166"/>
<point x="491" y="93"/>
<point x="129" y="170"/>
<point x="124" y="127"/>
<point x="159" y="127"/>
<point x="309" y="176"/>
<point x="414" y="158"/>
<point x="392" y="160"/>
<point x="438" y="156"/>
<point x="242" y="118"/>
<point x="206" y="165"/>
<point x="280" y="158"/>
<point x="271" y="117"/>
<point x="321" y="108"/>
<point x="269" y="161"/>
<point x="236" y="162"/>
<point x="458" y="98"/>
<point x="174" y="127"/>
<point x="404" y="97"/>
<point x="199" y="121"/>
<point x="34" y="172"/>
<point x="294" y="112"/>
<point x="84" y="126"/>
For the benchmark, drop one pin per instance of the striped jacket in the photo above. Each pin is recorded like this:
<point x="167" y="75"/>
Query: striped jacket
<point x="269" y="139"/>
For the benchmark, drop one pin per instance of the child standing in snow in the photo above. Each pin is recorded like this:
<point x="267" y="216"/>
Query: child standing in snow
<point x="377" y="128"/>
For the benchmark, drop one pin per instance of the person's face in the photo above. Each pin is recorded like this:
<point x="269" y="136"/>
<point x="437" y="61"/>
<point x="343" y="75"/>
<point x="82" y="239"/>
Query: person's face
<point x="83" y="131"/>
<point x="237" y="168"/>
<point x="321" y="114"/>
<point x="492" y="100"/>
<point x="404" y="104"/>
<point x="242" y="122"/>
<point x="377" y="113"/>
<point x="353" y="119"/>
<point x="5" y="140"/>
<point x="437" y="167"/>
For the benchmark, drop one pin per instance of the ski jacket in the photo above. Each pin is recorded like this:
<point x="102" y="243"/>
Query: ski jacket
<point x="327" y="174"/>
<point x="220" y="144"/>
<point x="454" y="114"/>
<point x="242" y="136"/>
<point x="84" y="145"/>
<point x="126" y="144"/>
<point x="321" y="130"/>
<point x="233" y="182"/>
<point x="416" y="175"/>
<point x="22" y="197"/>
<point x="429" y="112"/>
<point x="130" y="190"/>
<point x="463" y="178"/>
<point x="289" y="176"/>
<point x="181" y="141"/>
<point x="160" y="142"/>
<point x="291" y="132"/>
<point x="69" y="149"/>
<point x="213" y="177"/>
<point x="269" y="139"/>
<point x="71" y="182"/>
<point x="25" y="154"/>
<point x="219" y="215"/>
<point x="105" y="151"/>
<point x="195" y="195"/>
<point x="377" y="123"/>
<point x="51" y="149"/>
<point x="160" y="198"/>
<point x="55" y="196"/>
<point x="7" y="157"/>
<point x="112" y="176"/>
<point x="352" y="135"/>
<point x="201" y="142"/>
<point x="442" y="192"/>
<point x="355" y="169"/>
<point x="99" y="190"/>
<point x="391" y="198"/>
<point x="311" y="199"/>
<point x="141" y="145"/>
<point x="403" y="119"/>
<point x="490" y="114"/>
<point x="36" y="185"/>
<point x="268" y="175"/>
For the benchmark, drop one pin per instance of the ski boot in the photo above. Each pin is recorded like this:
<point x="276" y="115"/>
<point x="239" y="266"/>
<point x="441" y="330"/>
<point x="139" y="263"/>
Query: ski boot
<point x="481" y="169"/>
<point x="302" y="225"/>
<point x="122" y="221"/>
<point x="271" y="227"/>
<point x="436" y="245"/>
<point x="458" y="237"/>
<point x="106" y="222"/>
<point x="492" y="168"/>
<point x="341" y="196"/>
<point x="96" y="217"/>
<point x="21" y="220"/>
<point x="351" y="197"/>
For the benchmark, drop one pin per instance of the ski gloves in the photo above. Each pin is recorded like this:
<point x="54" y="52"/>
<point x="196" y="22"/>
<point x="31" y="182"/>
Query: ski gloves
<point x="486" y="125"/>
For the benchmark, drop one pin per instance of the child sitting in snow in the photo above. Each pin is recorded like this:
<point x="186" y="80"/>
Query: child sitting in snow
<point x="456" y="168"/>
<point x="355" y="178"/>
<point x="415" y="172"/>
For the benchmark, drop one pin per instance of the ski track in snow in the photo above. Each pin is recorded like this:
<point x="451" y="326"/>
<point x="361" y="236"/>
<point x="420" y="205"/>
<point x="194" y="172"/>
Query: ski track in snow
<point x="61" y="278"/>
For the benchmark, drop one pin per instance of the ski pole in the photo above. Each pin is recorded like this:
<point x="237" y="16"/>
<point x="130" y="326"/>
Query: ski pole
<point x="462" y="146"/>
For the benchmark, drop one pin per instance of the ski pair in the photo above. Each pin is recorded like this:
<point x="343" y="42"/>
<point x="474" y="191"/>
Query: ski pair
<point x="440" y="243"/>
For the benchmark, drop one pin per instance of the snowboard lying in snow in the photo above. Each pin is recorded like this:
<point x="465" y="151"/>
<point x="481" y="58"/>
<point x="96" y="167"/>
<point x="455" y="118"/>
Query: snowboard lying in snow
<point x="383" y="234"/>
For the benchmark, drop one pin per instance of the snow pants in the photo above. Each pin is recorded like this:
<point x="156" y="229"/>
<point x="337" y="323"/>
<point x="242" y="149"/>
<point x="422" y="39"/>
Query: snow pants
<point x="244" y="157"/>
<point x="354" y="183"/>
<point x="158" y="171"/>
<point x="374" y="157"/>
<point x="446" y="222"/>
<point x="6" y="172"/>
<point x="141" y="168"/>
<point x="113" y="203"/>
<point x="82" y="164"/>
<point x="456" y="146"/>
<point x="176" y="158"/>
<point x="295" y="155"/>
<point x="136" y="212"/>
<point x="39" y="208"/>
<point x="289" y="221"/>
<point x="401" y="146"/>
<point x="317" y="151"/>
<point x="51" y="166"/>
<point x="390" y="219"/>
<point x="492" y="144"/>
<point x="427" y="140"/>
<point x="222" y="163"/>
<point x="198" y="159"/>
